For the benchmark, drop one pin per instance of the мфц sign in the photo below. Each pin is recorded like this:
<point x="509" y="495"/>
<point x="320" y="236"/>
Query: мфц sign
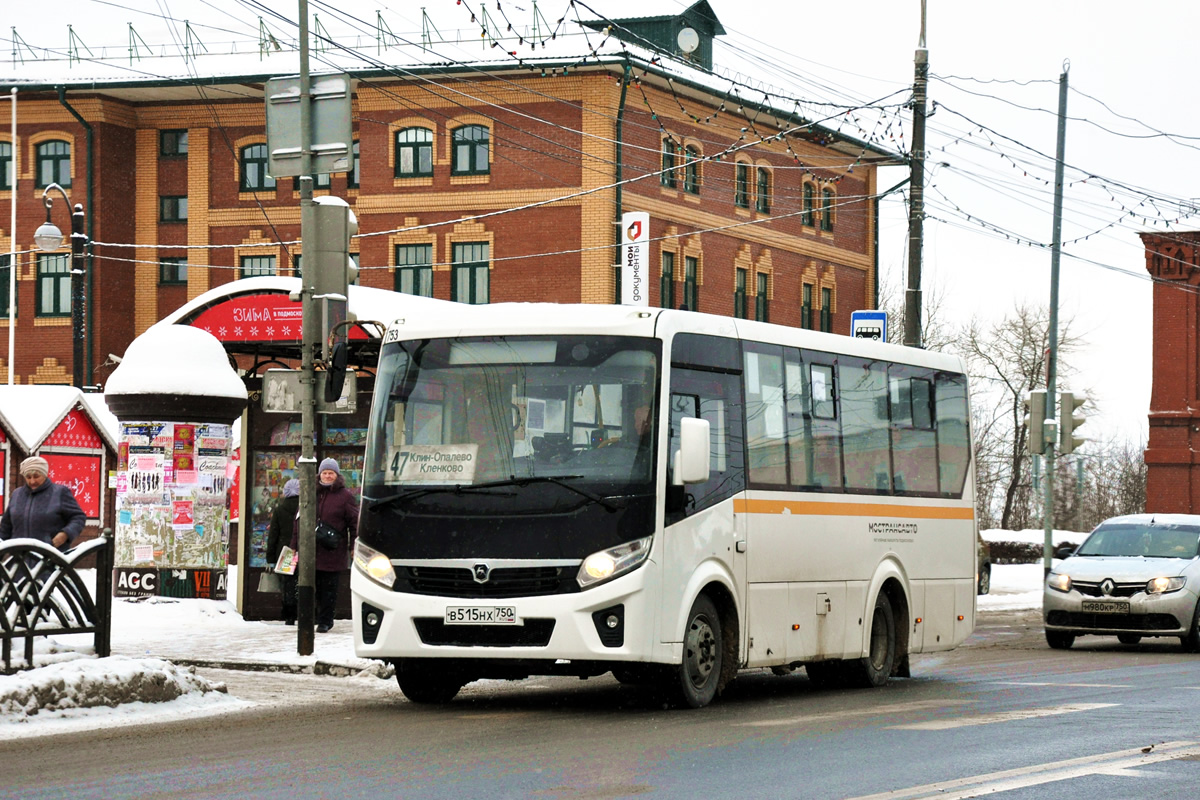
<point x="635" y="258"/>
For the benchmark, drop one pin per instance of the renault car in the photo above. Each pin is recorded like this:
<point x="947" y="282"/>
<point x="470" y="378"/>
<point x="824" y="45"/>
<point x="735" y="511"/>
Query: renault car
<point x="1133" y="577"/>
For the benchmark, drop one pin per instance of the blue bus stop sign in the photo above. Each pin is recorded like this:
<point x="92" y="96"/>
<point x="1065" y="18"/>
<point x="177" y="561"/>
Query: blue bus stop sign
<point x="869" y="325"/>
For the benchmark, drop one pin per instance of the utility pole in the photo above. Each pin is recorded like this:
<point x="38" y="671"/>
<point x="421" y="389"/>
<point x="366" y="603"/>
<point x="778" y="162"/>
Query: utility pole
<point x="310" y="340"/>
<point x="1051" y="435"/>
<point x="916" y="206"/>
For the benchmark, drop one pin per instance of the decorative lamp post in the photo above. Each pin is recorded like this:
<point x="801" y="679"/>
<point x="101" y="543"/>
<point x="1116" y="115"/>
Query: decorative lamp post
<point x="48" y="239"/>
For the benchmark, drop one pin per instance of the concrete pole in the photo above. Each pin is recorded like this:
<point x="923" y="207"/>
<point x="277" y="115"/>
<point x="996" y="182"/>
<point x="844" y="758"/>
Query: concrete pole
<point x="916" y="209"/>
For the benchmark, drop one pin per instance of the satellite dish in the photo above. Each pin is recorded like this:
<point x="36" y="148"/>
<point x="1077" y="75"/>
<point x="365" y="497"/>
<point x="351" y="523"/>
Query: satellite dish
<point x="688" y="40"/>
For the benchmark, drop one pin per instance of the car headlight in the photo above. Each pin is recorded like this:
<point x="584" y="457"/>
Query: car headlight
<point x="1059" y="581"/>
<point x="374" y="564"/>
<point x="607" y="564"/>
<point x="1164" y="585"/>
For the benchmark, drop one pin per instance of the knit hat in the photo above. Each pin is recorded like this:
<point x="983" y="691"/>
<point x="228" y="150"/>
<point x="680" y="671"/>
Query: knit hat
<point x="35" y="464"/>
<point x="291" y="488"/>
<point x="329" y="463"/>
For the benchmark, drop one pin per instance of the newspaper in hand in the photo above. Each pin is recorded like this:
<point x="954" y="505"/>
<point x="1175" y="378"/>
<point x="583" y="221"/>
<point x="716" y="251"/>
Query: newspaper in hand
<point x="288" y="558"/>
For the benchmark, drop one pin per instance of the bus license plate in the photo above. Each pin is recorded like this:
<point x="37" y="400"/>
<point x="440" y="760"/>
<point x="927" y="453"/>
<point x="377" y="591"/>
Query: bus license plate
<point x="481" y="615"/>
<point x="1100" y="607"/>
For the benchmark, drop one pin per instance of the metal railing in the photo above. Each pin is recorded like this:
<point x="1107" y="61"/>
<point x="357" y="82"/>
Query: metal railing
<point x="42" y="594"/>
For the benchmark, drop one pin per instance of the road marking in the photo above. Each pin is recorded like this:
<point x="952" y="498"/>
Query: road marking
<point x="1000" y="716"/>
<point x="1118" y="762"/>
<point x="1069" y="685"/>
<point x="884" y="710"/>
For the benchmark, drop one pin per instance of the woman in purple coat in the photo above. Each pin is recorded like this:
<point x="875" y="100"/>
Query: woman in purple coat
<point x="337" y="507"/>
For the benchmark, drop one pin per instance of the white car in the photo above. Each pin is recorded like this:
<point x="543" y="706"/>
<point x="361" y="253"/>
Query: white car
<point x="1134" y="576"/>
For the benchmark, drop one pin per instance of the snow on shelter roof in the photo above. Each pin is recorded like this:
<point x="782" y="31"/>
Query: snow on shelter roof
<point x="31" y="413"/>
<point x="176" y="359"/>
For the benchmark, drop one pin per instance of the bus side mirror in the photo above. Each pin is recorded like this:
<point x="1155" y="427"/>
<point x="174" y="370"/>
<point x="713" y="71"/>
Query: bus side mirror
<point x="692" y="459"/>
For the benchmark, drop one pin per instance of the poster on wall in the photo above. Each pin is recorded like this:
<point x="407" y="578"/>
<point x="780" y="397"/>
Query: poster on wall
<point x="80" y="474"/>
<point x="173" y="487"/>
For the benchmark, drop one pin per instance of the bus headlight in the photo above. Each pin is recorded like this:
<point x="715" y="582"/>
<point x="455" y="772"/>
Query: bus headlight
<point x="607" y="564"/>
<point x="374" y="564"/>
<point x="1164" y="585"/>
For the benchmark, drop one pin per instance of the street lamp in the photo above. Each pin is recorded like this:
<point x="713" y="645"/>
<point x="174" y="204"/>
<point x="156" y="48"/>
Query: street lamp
<point x="49" y="238"/>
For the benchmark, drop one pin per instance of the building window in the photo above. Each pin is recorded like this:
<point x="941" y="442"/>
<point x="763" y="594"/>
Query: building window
<point x="352" y="176"/>
<point x="256" y="266"/>
<point x="741" y="186"/>
<point x="469" y="273"/>
<point x="827" y="310"/>
<point x="806" y="216"/>
<point x="414" y="152"/>
<point x="54" y="164"/>
<point x="691" y="293"/>
<point x="4" y="278"/>
<point x="172" y="209"/>
<point x="470" y="145"/>
<point x="54" y="285"/>
<point x="827" y="209"/>
<point x="760" y="299"/>
<point x="5" y="165"/>
<point x="320" y="180"/>
<point x="691" y="175"/>
<point x="666" y="286"/>
<point x="806" y="307"/>
<point x="764" y="191"/>
<point x="667" y="177"/>
<point x="172" y="270"/>
<point x="414" y="269"/>
<point x="172" y="143"/>
<point x="739" y="295"/>
<point x="254" y="169"/>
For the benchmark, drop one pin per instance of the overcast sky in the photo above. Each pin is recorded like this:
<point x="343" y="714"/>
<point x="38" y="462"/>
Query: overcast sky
<point x="994" y="75"/>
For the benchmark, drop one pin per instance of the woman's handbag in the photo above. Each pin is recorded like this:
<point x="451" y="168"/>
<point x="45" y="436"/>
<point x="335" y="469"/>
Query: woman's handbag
<point x="328" y="537"/>
<point x="268" y="583"/>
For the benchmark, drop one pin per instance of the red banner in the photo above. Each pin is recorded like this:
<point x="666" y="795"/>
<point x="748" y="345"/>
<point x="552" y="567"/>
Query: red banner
<point x="75" y="430"/>
<point x="256" y="318"/>
<point x="81" y="474"/>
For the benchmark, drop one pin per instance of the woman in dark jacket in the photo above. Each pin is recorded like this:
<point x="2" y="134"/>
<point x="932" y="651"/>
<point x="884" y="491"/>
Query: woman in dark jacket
<point x="337" y="507"/>
<point x="42" y="509"/>
<point x="283" y="523"/>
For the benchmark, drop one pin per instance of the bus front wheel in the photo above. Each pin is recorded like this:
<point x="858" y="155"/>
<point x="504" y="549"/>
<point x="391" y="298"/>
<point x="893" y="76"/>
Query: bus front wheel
<point x="422" y="682"/>
<point x="874" y="669"/>
<point x="698" y="676"/>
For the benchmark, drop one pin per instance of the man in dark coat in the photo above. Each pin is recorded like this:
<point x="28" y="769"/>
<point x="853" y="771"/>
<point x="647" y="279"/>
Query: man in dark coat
<point x="283" y="522"/>
<point x="42" y="509"/>
<point x="337" y="507"/>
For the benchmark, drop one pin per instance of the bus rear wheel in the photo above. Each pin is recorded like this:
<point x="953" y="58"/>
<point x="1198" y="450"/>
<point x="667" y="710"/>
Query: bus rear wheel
<point x="424" y="682"/>
<point x="698" y="676"/>
<point x="874" y="669"/>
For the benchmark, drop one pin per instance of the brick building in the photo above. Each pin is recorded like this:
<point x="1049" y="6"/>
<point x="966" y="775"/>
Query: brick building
<point x="1173" y="450"/>
<point x="472" y="183"/>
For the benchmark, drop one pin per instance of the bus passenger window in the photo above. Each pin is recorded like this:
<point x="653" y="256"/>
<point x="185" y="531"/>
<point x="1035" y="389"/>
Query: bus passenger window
<point x="814" y="433"/>
<point x="954" y="447"/>
<point x="766" y="443"/>
<point x="864" y="405"/>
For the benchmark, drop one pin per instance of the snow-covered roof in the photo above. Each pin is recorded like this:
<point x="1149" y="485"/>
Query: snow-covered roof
<point x="31" y="413"/>
<point x="176" y="359"/>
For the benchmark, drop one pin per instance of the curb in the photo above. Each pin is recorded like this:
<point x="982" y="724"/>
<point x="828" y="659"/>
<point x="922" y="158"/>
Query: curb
<point x="378" y="669"/>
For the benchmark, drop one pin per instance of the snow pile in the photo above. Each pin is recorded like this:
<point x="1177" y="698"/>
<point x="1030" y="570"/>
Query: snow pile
<point x="84" y="683"/>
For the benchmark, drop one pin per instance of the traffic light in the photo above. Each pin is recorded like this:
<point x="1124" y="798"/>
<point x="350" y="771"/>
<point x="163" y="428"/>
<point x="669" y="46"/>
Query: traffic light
<point x="1035" y="420"/>
<point x="1068" y="441"/>
<point x="333" y="223"/>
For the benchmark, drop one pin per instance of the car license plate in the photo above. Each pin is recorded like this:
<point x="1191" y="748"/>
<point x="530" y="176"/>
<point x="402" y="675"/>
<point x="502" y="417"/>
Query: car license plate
<point x="481" y="615"/>
<point x="1101" y="607"/>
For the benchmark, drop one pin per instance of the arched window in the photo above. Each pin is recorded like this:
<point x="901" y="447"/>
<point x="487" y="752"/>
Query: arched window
<point x="54" y="163"/>
<point x="827" y="209"/>
<point x="254" y="175"/>
<point x="470" y="150"/>
<point x="807" y="216"/>
<point x="5" y="167"/>
<point x="352" y="175"/>
<point x="414" y="152"/>
<point x="764" y="191"/>
<point x="741" y="185"/>
<point x="667" y="177"/>
<point x="691" y="176"/>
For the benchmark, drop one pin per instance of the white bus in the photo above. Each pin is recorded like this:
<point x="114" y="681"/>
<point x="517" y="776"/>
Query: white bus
<point x="669" y="496"/>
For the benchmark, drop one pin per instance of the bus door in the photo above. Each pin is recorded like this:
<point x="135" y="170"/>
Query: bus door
<point x="705" y="382"/>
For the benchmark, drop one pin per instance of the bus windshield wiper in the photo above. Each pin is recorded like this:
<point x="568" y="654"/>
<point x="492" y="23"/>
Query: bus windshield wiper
<point x="412" y="494"/>
<point x="557" y="480"/>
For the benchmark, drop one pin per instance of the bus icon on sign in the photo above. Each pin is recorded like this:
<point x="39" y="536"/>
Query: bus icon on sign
<point x="869" y="325"/>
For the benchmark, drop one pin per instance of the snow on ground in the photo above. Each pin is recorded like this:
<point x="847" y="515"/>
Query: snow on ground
<point x="142" y="681"/>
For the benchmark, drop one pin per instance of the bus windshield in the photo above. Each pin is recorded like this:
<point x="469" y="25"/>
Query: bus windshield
<point x="462" y="412"/>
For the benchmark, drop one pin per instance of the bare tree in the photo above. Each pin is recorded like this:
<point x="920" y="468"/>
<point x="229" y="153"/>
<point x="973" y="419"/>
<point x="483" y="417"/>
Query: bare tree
<point x="1006" y="360"/>
<point x="935" y="333"/>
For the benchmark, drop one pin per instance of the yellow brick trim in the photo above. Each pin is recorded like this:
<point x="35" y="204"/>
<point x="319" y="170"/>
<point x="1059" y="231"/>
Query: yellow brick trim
<point x="271" y="215"/>
<point x="253" y="248"/>
<point x="29" y="161"/>
<point x="484" y="199"/>
<point x="388" y="97"/>
<point x="199" y="212"/>
<point x="765" y="265"/>
<point x="50" y="371"/>
<point x="412" y="237"/>
<point x="145" y="298"/>
<point x="465" y="232"/>
<point x="51" y="322"/>
<point x="599" y="101"/>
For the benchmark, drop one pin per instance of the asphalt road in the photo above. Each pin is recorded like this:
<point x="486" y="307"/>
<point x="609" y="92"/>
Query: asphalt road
<point x="1003" y="715"/>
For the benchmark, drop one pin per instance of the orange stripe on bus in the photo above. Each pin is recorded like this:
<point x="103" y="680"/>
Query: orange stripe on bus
<point x="827" y="509"/>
